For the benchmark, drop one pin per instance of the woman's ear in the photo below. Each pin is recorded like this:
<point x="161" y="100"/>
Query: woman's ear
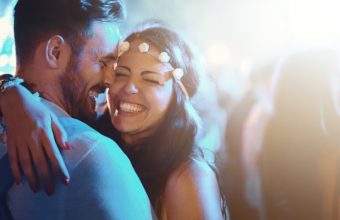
<point x="57" y="52"/>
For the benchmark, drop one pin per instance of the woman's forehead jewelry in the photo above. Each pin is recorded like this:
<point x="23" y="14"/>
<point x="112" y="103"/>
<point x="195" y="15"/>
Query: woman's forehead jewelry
<point x="123" y="47"/>
<point x="143" y="47"/>
<point x="178" y="73"/>
<point x="163" y="57"/>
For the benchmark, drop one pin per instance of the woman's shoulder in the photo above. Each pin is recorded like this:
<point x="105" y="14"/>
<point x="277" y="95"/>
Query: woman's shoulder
<point x="193" y="185"/>
<point x="191" y="170"/>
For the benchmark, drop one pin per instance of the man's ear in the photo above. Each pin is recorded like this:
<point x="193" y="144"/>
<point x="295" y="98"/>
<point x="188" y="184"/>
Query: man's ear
<point x="57" y="52"/>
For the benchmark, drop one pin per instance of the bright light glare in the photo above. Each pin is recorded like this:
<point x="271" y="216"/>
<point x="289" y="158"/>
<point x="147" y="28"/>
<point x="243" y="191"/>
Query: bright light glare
<point x="218" y="54"/>
<point x="315" y="18"/>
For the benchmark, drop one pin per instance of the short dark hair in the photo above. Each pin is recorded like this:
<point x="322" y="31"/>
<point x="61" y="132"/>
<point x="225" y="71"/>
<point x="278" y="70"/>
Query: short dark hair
<point x="37" y="20"/>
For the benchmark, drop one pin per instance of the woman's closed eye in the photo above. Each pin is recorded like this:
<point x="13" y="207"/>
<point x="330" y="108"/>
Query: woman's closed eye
<point x="156" y="80"/>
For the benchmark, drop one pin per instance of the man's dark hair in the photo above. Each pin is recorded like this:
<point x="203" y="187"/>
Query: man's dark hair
<point x="37" y="20"/>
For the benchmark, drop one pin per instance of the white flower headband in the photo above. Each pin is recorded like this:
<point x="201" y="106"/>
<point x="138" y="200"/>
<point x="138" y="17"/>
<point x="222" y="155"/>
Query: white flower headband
<point x="163" y="57"/>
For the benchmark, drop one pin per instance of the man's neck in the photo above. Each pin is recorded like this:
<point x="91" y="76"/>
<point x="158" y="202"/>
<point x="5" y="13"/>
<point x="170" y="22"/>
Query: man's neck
<point x="47" y="88"/>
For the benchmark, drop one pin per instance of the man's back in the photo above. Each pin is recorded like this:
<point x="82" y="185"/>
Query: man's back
<point x="103" y="183"/>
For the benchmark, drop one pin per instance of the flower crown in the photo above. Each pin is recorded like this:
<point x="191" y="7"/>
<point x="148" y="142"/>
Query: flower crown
<point x="163" y="57"/>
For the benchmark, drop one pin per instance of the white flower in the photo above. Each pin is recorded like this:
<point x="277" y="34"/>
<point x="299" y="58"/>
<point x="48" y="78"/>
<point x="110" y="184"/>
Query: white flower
<point x="123" y="47"/>
<point x="164" y="57"/>
<point x="178" y="73"/>
<point x="143" y="47"/>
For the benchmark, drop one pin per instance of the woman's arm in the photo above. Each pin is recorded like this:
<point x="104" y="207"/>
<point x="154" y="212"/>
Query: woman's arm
<point x="33" y="136"/>
<point x="192" y="192"/>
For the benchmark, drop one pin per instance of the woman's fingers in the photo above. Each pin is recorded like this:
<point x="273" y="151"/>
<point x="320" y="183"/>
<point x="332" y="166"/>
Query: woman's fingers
<point x="54" y="156"/>
<point x="59" y="133"/>
<point x="42" y="167"/>
<point x="36" y="134"/>
<point x="13" y="159"/>
<point x="26" y="165"/>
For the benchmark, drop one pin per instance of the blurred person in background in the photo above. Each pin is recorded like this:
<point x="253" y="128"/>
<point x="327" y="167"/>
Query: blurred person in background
<point x="301" y="152"/>
<point x="247" y="119"/>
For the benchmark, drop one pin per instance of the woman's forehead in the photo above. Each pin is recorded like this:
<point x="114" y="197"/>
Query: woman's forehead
<point x="149" y="58"/>
<point x="142" y="62"/>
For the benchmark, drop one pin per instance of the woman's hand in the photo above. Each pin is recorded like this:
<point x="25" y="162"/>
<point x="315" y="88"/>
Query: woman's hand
<point x="33" y="136"/>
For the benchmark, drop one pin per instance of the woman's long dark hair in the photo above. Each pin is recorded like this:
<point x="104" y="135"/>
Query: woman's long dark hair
<point x="175" y="140"/>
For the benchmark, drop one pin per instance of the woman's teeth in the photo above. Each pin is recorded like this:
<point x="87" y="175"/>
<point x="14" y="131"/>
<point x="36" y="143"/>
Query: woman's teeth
<point x="129" y="107"/>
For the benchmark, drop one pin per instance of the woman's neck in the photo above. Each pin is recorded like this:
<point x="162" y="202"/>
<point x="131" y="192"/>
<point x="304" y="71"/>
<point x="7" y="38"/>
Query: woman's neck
<point x="134" y="138"/>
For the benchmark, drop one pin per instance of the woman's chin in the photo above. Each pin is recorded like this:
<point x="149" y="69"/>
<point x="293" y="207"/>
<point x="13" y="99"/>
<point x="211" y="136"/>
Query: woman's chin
<point x="124" y="128"/>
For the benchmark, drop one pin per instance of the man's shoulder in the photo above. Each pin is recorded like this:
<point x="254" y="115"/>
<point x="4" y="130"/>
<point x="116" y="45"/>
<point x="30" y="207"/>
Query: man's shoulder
<point x="86" y="142"/>
<point x="74" y="126"/>
<point x="83" y="133"/>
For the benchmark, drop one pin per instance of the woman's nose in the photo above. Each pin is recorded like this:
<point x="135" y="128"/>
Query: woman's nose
<point x="131" y="88"/>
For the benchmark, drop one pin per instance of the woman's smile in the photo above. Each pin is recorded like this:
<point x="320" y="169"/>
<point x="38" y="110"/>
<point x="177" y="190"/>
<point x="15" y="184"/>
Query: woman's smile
<point x="129" y="108"/>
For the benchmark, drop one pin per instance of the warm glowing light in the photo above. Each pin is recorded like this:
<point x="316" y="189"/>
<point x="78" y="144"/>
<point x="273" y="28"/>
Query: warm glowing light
<point x="246" y="66"/>
<point x="218" y="54"/>
<point x="314" y="19"/>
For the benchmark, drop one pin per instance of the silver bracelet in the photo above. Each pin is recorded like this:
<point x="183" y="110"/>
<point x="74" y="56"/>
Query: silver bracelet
<point x="10" y="83"/>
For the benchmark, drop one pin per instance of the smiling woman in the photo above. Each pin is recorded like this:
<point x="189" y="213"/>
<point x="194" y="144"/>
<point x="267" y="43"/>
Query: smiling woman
<point x="140" y="94"/>
<point x="156" y="75"/>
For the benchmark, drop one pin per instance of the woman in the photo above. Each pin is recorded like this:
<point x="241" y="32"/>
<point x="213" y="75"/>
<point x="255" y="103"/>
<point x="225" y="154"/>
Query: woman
<point x="300" y="158"/>
<point x="154" y="78"/>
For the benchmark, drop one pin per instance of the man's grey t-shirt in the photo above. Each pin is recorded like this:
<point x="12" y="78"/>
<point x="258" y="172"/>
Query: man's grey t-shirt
<point x="103" y="183"/>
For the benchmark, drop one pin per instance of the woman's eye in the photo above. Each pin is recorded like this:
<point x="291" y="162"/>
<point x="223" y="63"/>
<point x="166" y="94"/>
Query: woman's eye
<point x="153" y="81"/>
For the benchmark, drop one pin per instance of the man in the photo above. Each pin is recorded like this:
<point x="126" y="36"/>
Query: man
<point x="64" y="48"/>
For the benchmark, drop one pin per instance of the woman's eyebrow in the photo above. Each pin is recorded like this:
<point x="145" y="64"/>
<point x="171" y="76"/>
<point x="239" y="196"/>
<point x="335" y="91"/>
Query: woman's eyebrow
<point x="167" y="75"/>
<point x="150" y="72"/>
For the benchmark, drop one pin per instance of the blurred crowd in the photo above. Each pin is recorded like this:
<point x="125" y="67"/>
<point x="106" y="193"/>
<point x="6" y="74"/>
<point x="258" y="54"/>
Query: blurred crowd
<point x="282" y="140"/>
